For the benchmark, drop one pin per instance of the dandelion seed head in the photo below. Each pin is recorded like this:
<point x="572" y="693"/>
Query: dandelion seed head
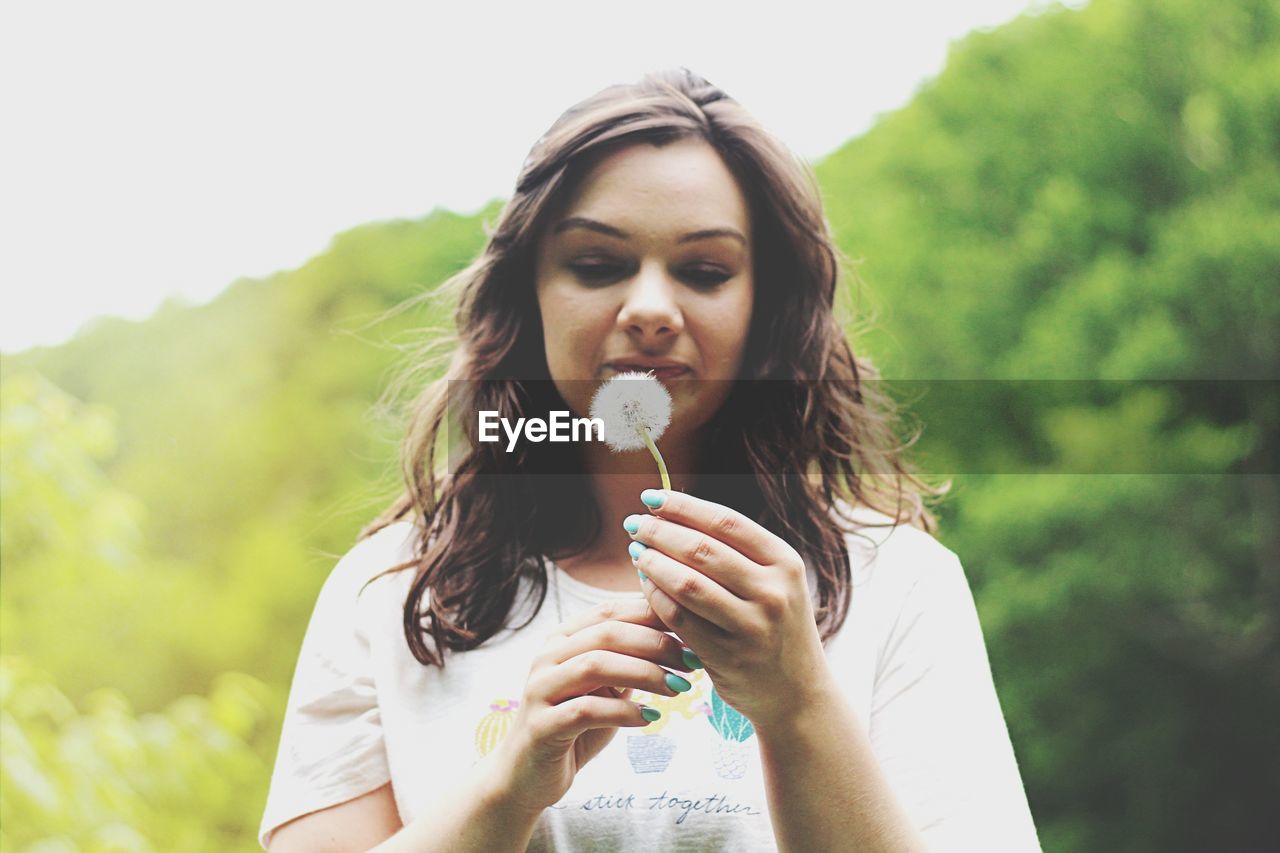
<point x="627" y="402"/>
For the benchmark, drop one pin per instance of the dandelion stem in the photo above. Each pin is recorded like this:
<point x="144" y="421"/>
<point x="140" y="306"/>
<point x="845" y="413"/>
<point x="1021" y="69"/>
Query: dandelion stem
<point x="653" y="449"/>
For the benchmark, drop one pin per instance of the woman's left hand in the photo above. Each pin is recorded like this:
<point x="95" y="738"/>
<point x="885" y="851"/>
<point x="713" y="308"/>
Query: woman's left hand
<point x="737" y="595"/>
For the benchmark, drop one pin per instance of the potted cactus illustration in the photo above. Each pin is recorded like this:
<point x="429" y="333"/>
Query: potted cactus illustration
<point x="649" y="751"/>
<point x="734" y="729"/>
<point x="493" y="727"/>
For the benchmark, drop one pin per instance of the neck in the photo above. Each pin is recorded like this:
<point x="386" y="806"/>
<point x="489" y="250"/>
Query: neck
<point x="617" y="479"/>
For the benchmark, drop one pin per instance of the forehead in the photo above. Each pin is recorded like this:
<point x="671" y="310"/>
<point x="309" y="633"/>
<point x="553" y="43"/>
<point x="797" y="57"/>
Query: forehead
<point x="683" y="185"/>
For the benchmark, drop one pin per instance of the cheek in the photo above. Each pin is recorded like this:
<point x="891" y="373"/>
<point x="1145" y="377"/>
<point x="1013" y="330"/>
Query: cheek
<point x="558" y="310"/>
<point x="575" y="324"/>
<point x="727" y="331"/>
<point x="572" y="321"/>
<point x="745" y="309"/>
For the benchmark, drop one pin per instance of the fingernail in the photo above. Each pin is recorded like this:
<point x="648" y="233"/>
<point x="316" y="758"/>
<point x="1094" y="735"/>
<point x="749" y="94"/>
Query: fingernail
<point x="642" y="575"/>
<point x="690" y="659"/>
<point x="631" y="524"/>
<point x="677" y="683"/>
<point x="650" y="714"/>
<point x="635" y="549"/>
<point x="652" y="498"/>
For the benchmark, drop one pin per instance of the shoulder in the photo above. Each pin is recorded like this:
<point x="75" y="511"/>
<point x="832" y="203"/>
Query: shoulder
<point x="385" y="547"/>
<point x="892" y="558"/>
<point x="369" y="557"/>
<point x="912" y="589"/>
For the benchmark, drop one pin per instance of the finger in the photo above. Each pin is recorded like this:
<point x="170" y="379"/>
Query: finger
<point x="592" y="670"/>
<point x="576" y="716"/>
<point x="619" y="692"/>
<point x="612" y="692"/>
<point x="697" y="631"/>
<point x="634" y="610"/>
<point x="639" y="641"/>
<point x="693" y="591"/>
<point x="700" y="552"/>
<point x="724" y="524"/>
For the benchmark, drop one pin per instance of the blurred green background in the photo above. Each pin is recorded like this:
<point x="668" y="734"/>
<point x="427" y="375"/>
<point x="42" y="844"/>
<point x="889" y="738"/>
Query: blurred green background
<point x="1089" y="193"/>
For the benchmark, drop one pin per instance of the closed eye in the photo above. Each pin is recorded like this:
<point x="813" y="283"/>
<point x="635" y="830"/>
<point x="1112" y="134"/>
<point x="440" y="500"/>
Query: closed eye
<point x="705" y="278"/>
<point x="700" y="277"/>
<point x="597" y="271"/>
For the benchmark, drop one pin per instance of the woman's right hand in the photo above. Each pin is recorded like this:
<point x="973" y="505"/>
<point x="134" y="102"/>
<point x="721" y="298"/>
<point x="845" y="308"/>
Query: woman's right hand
<point x="570" y="709"/>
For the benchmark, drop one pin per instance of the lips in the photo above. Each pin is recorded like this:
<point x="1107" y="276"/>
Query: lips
<point x="669" y="372"/>
<point x="661" y="370"/>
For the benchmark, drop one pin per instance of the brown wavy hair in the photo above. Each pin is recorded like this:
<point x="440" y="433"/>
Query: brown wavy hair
<point x="828" y="443"/>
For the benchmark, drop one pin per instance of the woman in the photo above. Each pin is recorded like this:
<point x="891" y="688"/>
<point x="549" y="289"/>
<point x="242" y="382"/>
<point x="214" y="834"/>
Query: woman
<point x="796" y="661"/>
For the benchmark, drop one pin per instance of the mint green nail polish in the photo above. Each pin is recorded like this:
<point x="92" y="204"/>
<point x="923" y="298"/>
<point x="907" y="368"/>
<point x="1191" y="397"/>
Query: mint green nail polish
<point x="635" y="549"/>
<point x="642" y="575"/>
<point x="631" y="524"/>
<point x="650" y="714"/>
<point x="652" y="498"/>
<point x="677" y="683"/>
<point x="690" y="659"/>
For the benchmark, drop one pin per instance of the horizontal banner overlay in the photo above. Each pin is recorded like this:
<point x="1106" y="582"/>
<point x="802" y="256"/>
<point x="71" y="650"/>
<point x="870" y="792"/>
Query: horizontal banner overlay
<point x="943" y="427"/>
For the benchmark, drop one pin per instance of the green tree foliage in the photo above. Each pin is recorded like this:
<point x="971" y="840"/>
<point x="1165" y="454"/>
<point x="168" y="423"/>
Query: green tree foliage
<point x="1096" y="194"/>
<point x="1081" y="194"/>
<point x="249" y="429"/>
<point x="80" y="600"/>
<point x="109" y="780"/>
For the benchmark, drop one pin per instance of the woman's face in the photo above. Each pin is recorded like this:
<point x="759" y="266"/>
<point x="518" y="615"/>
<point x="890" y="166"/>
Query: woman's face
<point x="649" y="262"/>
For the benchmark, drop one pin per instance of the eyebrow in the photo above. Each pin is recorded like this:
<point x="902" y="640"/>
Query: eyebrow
<point x="602" y="228"/>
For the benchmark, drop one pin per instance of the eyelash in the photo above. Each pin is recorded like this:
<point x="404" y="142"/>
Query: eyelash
<point x="702" y="278"/>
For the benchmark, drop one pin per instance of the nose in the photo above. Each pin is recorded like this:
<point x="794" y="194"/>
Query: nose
<point x="650" y="310"/>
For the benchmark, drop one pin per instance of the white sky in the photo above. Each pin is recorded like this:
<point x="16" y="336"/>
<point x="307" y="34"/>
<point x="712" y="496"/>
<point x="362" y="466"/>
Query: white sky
<point x="159" y="149"/>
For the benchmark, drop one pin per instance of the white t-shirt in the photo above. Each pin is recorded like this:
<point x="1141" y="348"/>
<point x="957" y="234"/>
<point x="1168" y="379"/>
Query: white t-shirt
<point x="910" y="659"/>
